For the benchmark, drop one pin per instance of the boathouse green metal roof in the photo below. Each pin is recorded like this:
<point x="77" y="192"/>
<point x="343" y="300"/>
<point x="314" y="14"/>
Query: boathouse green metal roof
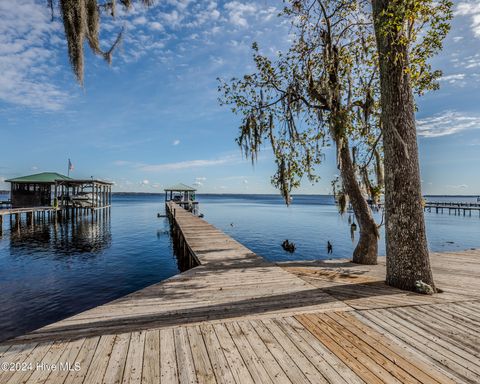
<point x="181" y="188"/>
<point x="44" y="177"/>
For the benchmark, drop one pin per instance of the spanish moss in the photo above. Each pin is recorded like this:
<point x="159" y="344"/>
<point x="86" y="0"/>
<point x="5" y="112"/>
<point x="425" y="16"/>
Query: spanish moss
<point x="81" y="20"/>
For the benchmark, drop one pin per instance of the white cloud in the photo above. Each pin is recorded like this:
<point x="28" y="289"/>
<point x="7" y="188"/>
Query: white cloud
<point x="172" y="19"/>
<point x="446" y="123"/>
<point x="141" y="20"/>
<point x="452" y="79"/>
<point x="33" y="48"/>
<point x="215" y="14"/>
<point x="122" y="162"/>
<point x="176" y="142"/>
<point x="460" y="186"/>
<point x="218" y="61"/>
<point x="199" y="181"/>
<point x="268" y="13"/>
<point x="238" y="12"/>
<point x="472" y="9"/>
<point x="145" y="182"/>
<point x="209" y="14"/>
<point x="245" y="181"/>
<point x="154" y="31"/>
<point x="28" y="61"/>
<point x="180" y="4"/>
<point x="185" y="164"/>
<point x="155" y="25"/>
<point x="471" y="62"/>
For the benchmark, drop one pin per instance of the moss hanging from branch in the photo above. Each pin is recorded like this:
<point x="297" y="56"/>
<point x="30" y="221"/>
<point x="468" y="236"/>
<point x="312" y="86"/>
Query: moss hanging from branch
<point x="81" y="20"/>
<point x="74" y="22"/>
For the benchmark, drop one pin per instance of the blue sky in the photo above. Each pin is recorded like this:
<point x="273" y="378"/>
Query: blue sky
<point x="152" y="118"/>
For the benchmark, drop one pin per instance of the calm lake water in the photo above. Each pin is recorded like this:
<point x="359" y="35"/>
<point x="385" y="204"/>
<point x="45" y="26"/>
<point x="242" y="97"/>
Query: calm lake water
<point x="263" y="222"/>
<point x="54" y="271"/>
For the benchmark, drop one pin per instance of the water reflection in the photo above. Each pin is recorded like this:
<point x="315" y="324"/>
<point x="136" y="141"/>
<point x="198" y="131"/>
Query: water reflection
<point x="73" y="235"/>
<point x="51" y="269"/>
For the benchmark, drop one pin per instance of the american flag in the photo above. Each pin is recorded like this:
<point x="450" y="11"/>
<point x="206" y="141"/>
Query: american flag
<point x="70" y="165"/>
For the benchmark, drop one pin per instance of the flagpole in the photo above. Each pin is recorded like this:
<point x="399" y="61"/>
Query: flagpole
<point x="70" y="167"/>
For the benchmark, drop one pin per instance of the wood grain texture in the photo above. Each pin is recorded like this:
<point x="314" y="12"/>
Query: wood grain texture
<point x="237" y="319"/>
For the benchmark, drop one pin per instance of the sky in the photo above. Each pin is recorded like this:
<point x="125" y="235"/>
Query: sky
<point x="152" y="118"/>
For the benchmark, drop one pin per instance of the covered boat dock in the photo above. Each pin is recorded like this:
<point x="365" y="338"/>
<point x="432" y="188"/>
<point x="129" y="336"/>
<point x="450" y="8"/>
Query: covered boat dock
<point x="83" y="193"/>
<point x="52" y="194"/>
<point x="183" y="195"/>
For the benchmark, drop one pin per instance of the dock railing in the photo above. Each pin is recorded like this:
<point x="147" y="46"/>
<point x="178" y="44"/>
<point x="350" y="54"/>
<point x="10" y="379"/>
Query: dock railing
<point x="455" y="207"/>
<point x="452" y="204"/>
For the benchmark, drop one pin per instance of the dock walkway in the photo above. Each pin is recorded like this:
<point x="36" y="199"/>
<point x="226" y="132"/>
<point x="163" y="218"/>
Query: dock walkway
<point x="30" y="213"/>
<point x="236" y="318"/>
<point x="31" y="210"/>
<point x="456" y="208"/>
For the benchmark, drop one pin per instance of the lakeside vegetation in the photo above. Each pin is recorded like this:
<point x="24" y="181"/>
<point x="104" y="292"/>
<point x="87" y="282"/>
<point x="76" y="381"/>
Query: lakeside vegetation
<point x="351" y="72"/>
<point x="348" y="78"/>
<point x="167" y="285"/>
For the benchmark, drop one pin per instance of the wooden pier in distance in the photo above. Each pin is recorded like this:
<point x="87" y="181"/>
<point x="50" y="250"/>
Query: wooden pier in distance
<point x="236" y="318"/>
<point x="456" y="208"/>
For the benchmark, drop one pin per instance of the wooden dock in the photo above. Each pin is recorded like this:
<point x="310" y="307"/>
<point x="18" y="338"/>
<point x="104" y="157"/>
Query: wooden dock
<point x="15" y="215"/>
<point x="33" y="214"/>
<point x="449" y="207"/>
<point x="30" y="210"/>
<point x="236" y="318"/>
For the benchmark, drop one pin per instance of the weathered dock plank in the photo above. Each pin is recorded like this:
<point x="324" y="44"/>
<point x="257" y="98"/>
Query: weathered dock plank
<point x="237" y="319"/>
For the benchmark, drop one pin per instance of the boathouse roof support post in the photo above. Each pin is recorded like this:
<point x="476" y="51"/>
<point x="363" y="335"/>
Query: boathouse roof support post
<point x="55" y="198"/>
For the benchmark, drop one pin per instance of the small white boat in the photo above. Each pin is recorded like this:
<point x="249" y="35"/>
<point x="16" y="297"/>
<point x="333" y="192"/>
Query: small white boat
<point x="84" y="200"/>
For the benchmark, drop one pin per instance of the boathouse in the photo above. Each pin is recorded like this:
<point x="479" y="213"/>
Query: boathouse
<point x="34" y="190"/>
<point x="83" y="193"/>
<point x="52" y="195"/>
<point x="183" y="195"/>
<point x="48" y="189"/>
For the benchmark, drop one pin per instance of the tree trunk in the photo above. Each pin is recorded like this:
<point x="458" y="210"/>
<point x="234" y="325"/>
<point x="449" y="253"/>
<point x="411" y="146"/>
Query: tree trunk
<point x="406" y="241"/>
<point x="366" y="251"/>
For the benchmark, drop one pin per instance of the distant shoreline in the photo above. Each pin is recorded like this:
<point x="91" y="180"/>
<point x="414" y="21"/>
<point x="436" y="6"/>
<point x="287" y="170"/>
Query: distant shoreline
<point x="4" y="192"/>
<point x="266" y="194"/>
